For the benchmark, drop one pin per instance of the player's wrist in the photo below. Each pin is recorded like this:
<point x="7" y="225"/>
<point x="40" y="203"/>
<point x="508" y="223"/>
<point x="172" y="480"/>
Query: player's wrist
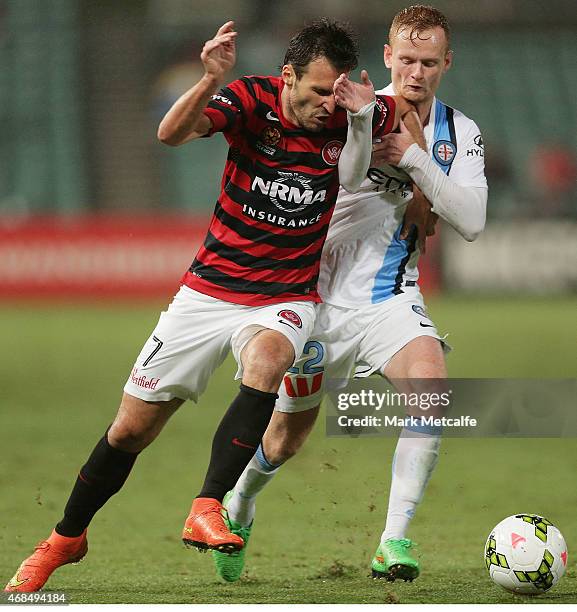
<point x="213" y="80"/>
<point x="364" y="111"/>
<point x="408" y="158"/>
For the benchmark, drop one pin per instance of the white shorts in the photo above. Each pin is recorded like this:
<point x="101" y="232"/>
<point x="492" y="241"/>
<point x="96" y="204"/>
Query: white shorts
<point x="193" y="337"/>
<point x="344" y="339"/>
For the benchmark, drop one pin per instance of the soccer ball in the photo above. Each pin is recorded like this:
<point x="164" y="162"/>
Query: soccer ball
<point x="526" y="554"/>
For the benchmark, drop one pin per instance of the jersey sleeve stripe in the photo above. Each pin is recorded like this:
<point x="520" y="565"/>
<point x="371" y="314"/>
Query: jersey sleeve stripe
<point x="384" y="120"/>
<point x="265" y="85"/>
<point x="248" y="83"/>
<point x="222" y="119"/>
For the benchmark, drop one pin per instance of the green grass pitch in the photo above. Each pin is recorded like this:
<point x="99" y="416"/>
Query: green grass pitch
<point x="318" y="523"/>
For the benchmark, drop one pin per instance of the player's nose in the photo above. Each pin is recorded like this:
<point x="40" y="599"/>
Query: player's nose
<point x="417" y="72"/>
<point x="329" y="104"/>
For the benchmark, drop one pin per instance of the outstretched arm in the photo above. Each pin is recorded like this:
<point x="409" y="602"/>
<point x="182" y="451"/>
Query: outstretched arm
<point x="186" y="121"/>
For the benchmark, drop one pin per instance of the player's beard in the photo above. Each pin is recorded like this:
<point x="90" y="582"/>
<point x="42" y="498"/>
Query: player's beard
<point x="306" y="119"/>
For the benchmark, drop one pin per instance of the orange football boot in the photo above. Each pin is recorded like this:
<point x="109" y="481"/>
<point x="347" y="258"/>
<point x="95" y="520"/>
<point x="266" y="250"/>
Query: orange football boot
<point x="50" y="554"/>
<point x="205" y="527"/>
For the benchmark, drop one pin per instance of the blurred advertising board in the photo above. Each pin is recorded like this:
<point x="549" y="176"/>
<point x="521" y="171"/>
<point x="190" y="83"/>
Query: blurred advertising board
<point x="520" y="256"/>
<point x="112" y="256"/>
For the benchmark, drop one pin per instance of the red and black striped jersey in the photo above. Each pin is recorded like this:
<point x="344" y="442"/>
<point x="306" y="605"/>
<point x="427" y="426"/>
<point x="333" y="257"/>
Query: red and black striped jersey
<point x="278" y="191"/>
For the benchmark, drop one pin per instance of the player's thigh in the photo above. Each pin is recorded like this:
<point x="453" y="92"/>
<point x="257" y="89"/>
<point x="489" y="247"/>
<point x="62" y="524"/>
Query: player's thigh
<point x="190" y="340"/>
<point x="402" y="342"/>
<point x="290" y="325"/>
<point x="138" y="422"/>
<point x="422" y="357"/>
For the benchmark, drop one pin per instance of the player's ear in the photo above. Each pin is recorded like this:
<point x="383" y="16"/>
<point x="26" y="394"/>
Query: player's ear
<point x="448" y="60"/>
<point x="288" y="75"/>
<point x="388" y="56"/>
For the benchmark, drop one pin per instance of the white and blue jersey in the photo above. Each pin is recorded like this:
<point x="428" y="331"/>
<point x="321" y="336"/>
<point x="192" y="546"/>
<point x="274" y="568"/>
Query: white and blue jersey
<point x="364" y="261"/>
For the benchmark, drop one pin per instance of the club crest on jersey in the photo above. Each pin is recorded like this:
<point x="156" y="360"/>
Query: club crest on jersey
<point x="270" y="136"/>
<point x="444" y="152"/>
<point x="331" y="152"/>
<point x="292" y="317"/>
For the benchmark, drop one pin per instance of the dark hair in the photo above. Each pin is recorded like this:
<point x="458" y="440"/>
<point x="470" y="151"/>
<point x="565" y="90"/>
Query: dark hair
<point x="418" y="18"/>
<point x="323" y="38"/>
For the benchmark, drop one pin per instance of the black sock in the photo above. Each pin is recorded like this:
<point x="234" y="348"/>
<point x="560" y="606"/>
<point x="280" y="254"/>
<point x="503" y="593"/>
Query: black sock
<point x="236" y="440"/>
<point x="99" y="479"/>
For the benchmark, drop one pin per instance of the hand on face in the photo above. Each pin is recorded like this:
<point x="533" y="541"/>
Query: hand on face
<point x="353" y="96"/>
<point x="392" y="147"/>
<point x="219" y="53"/>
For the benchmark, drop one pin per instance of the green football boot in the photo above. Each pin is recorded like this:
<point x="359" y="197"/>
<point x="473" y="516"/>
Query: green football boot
<point x="229" y="567"/>
<point x="393" y="560"/>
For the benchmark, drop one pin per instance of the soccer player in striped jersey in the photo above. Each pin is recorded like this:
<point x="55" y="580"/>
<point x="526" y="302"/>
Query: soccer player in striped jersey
<point x="252" y="287"/>
<point x="373" y="312"/>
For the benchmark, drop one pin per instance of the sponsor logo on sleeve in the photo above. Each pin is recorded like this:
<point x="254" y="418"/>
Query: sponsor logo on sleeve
<point x="219" y="98"/>
<point x="479" y="149"/>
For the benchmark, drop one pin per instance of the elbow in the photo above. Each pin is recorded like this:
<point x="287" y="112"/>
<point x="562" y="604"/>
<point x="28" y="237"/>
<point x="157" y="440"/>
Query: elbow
<point x="472" y="232"/>
<point x="167" y="137"/>
<point x="470" y="236"/>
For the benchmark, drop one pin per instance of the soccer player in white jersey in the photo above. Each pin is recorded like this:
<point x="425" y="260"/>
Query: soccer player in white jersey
<point x="373" y="311"/>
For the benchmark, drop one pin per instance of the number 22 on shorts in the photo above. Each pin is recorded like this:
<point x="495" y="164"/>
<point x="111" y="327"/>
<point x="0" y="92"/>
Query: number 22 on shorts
<point x="304" y="380"/>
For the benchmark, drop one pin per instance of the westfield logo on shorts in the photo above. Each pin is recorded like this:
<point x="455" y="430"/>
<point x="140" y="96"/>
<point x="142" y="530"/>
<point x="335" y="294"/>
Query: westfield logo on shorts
<point x="292" y="317"/>
<point x="143" y="381"/>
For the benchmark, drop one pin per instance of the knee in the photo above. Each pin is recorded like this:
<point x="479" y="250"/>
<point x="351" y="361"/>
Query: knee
<point x="130" y="434"/>
<point x="128" y="438"/>
<point x="267" y="360"/>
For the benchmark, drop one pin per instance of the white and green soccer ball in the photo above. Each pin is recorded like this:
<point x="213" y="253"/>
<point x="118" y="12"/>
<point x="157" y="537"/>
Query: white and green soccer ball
<point x="526" y="554"/>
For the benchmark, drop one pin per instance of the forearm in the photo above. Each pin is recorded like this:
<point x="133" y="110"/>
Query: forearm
<point x="462" y="207"/>
<point x="355" y="157"/>
<point x="186" y="120"/>
<point x="413" y="124"/>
